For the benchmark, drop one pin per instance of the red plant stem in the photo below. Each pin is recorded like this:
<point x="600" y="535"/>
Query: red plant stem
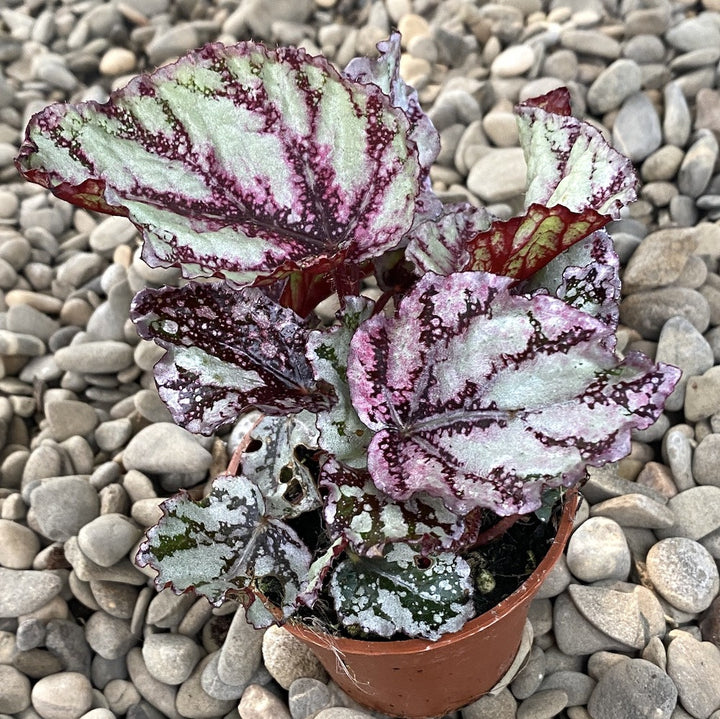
<point x="243" y="444"/>
<point x="496" y="530"/>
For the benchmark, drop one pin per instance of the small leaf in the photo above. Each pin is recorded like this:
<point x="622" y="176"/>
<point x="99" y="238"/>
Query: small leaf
<point x="319" y="570"/>
<point x="286" y="484"/>
<point x="521" y="246"/>
<point x="441" y="245"/>
<point x="485" y="398"/>
<point x="356" y="510"/>
<point x="392" y="594"/>
<point x="227" y="350"/>
<point x="342" y="434"/>
<point x="569" y="162"/>
<point x="224" y="545"/>
<point x="237" y="162"/>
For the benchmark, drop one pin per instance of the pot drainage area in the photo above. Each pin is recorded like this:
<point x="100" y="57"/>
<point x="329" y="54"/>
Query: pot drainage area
<point x="627" y="625"/>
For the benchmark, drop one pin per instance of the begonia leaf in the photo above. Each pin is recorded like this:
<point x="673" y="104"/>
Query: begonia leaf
<point x="319" y="570"/>
<point x="384" y="71"/>
<point x="569" y="162"/>
<point x="441" y="245"/>
<point x="519" y="247"/>
<point x="368" y="519"/>
<point x="342" y="434"/>
<point x="276" y="469"/>
<point x="398" y="593"/>
<point x="237" y="162"/>
<point x="486" y="398"/>
<point x="227" y="350"/>
<point x="225" y="544"/>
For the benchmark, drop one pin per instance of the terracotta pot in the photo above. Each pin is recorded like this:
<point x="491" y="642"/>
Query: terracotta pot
<point x="416" y="678"/>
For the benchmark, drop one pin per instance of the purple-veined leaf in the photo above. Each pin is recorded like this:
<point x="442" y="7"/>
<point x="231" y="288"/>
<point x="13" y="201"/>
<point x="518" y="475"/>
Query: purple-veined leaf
<point x="441" y="245"/>
<point x="225" y="544"/>
<point x="569" y="162"/>
<point x="384" y="71"/>
<point x="342" y="434"/>
<point x="286" y="484"/>
<point x="237" y="162"/>
<point x="399" y="593"/>
<point x="227" y="350"/>
<point x="368" y="519"/>
<point x="521" y="246"/>
<point x="485" y="398"/>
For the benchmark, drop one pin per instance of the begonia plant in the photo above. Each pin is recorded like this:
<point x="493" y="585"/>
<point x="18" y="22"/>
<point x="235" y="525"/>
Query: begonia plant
<point x="482" y="378"/>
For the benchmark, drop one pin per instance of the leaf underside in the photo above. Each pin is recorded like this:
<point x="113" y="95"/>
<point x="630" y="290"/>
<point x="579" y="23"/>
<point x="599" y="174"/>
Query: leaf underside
<point x="391" y="594"/>
<point x="237" y="162"/>
<point x="466" y="364"/>
<point x="227" y="350"/>
<point x="225" y="545"/>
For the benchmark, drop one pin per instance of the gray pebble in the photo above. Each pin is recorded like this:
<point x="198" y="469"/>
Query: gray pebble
<point x="15" y="696"/>
<point x="213" y="685"/>
<point x="288" y="659"/>
<point x="633" y="689"/>
<point x="613" y="85"/>
<point x="702" y="395"/>
<point x="68" y="418"/>
<point x="194" y="703"/>
<point x="499" y="706"/>
<point x="18" y="545"/>
<point x="695" y="668"/>
<point x="115" y="598"/>
<point x="66" y="695"/>
<point x="677" y="120"/>
<point x="66" y="640"/>
<point x="545" y="704"/>
<point x="171" y="43"/>
<point x="636" y="130"/>
<point x="260" y="703"/>
<point x="241" y="653"/>
<point x="697" y="513"/>
<point x="108" y="538"/>
<point x="109" y="636"/>
<point x="577" y="686"/>
<point x="62" y="505"/>
<point x="120" y="695"/>
<point x="166" y="448"/>
<point x="697" y="166"/>
<point x="598" y="550"/>
<point x="95" y="357"/>
<point x="659" y="259"/>
<point x="684" y="573"/>
<point x="706" y="460"/>
<point x="307" y="697"/>
<point x="491" y="187"/>
<point x="30" y="634"/>
<point x="170" y="658"/>
<point x="25" y="590"/>
<point x="635" y="510"/>
<point x="648" y="311"/>
<point x="161" y="696"/>
<point x="529" y="678"/>
<point x="693" y="33"/>
<point x="166" y="609"/>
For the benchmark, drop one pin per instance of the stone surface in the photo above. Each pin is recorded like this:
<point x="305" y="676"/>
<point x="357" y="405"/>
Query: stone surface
<point x="598" y="550"/>
<point x="684" y="573"/>
<point x="695" y="668"/>
<point x="288" y="659"/>
<point x="66" y="695"/>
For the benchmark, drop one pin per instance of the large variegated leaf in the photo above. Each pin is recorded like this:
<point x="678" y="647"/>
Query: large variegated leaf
<point x="485" y="398"/>
<point x="368" y="519"/>
<point x="276" y="469"/>
<point x="403" y="592"/>
<point x="569" y="162"/>
<point x="237" y="162"/>
<point x="342" y="434"/>
<point x="225" y="544"/>
<point x="227" y="350"/>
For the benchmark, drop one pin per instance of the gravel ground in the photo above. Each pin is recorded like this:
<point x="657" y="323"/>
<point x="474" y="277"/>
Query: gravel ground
<point x="628" y="625"/>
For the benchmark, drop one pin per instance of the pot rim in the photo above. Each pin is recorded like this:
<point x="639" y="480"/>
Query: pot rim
<point x="523" y="593"/>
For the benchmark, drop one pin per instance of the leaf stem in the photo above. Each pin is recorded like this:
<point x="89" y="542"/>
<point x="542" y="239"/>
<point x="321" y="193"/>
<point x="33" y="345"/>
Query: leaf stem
<point x="243" y="444"/>
<point x="497" y="530"/>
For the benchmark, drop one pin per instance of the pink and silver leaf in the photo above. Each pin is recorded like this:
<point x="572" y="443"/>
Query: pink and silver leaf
<point x="486" y="398"/>
<point x="238" y="162"/>
<point x="228" y="350"/>
<point x="569" y="162"/>
<point x="225" y="545"/>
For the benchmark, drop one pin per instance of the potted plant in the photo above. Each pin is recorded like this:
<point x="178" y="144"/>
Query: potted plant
<point x="392" y="447"/>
